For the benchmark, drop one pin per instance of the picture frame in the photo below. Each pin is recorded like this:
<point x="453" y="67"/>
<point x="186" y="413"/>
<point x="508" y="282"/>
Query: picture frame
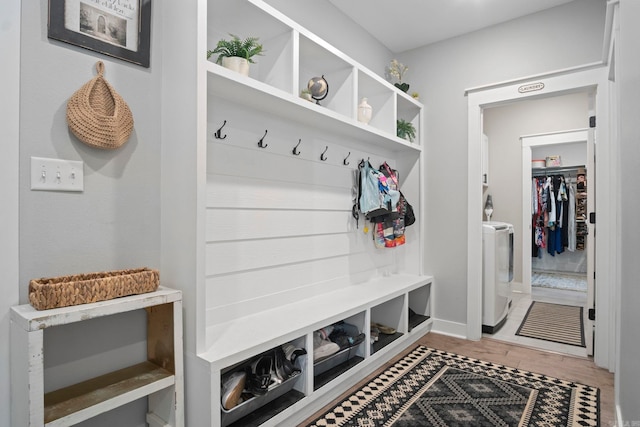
<point x="118" y="28"/>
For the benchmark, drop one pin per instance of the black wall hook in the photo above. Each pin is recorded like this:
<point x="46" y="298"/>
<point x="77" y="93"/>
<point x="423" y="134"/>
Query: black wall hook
<point x="261" y="143"/>
<point x="295" y="149"/>
<point x="345" y="159"/>
<point x="219" y="131"/>
<point x="322" y="156"/>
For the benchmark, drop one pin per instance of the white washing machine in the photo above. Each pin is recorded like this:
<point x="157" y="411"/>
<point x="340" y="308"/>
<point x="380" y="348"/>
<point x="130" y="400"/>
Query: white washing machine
<point x="497" y="274"/>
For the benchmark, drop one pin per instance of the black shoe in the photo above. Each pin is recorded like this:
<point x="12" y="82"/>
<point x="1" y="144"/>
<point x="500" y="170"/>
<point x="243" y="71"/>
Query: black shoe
<point x="287" y="369"/>
<point x="259" y="375"/>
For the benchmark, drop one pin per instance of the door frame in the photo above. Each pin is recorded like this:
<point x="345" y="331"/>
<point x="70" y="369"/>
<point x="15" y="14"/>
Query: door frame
<point x="537" y="140"/>
<point x="590" y="77"/>
<point x="559" y="138"/>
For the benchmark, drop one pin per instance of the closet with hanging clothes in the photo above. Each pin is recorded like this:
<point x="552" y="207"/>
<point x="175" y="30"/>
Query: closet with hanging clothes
<point x="559" y="219"/>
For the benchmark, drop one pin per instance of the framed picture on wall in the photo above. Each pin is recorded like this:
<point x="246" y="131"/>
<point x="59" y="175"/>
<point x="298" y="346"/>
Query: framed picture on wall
<point x="118" y="28"/>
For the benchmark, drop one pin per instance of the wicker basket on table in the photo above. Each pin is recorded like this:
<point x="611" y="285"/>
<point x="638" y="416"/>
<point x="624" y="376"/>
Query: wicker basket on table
<point x="55" y="292"/>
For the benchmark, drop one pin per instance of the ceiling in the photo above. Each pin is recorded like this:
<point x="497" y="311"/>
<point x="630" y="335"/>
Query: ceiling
<point x="402" y="25"/>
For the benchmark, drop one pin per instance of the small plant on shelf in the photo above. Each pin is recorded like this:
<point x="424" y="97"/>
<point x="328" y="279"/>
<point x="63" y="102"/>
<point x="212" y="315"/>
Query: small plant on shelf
<point x="247" y="48"/>
<point x="395" y="71"/>
<point x="405" y="130"/>
<point x="237" y="53"/>
<point x="306" y="94"/>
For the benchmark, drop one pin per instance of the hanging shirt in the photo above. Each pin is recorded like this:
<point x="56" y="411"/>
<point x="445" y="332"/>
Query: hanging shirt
<point x="572" y="219"/>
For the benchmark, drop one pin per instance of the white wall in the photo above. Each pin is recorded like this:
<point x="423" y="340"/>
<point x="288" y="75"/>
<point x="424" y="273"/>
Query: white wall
<point x="627" y="378"/>
<point x="558" y="38"/>
<point x="113" y="224"/>
<point x="339" y="30"/>
<point x="9" y="126"/>
<point x="504" y="126"/>
<point x="572" y="154"/>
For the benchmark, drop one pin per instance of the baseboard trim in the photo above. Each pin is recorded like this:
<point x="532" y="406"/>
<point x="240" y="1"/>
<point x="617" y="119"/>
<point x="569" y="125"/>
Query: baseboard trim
<point x="517" y="287"/>
<point x="446" y="327"/>
<point x="619" y="419"/>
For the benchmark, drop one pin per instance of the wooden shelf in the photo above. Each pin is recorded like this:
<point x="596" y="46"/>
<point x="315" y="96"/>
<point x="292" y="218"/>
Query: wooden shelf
<point x="31" y="319"/>
<point x="81" y="401"/>
<point x="159" y="378"/>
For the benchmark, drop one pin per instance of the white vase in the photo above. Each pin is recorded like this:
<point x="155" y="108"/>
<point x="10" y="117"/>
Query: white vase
<point x="365" y="111"/>
<point x="237" y="64"/>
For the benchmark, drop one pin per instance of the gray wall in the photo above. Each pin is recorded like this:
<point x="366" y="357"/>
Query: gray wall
<point x="558" y="38"/>
<point x="628" y="374"/>
<point x="113" y="224"/>
<point x="504" y="126"/>
<point x="327" y="22"/>
<point x="9" y="126"/>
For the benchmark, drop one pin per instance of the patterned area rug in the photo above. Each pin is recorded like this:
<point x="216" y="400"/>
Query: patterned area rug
<point x="434" y="388"/>
<point x="553" y="322"/>
<point x="572" y="282"/>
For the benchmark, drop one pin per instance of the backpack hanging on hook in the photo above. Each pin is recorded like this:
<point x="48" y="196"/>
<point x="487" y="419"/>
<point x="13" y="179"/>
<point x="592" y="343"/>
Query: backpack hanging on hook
<point x="371" y="200"/>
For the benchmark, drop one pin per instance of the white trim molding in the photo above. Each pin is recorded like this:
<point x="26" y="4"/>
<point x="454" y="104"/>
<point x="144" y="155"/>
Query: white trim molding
<point x="587" y="78"/>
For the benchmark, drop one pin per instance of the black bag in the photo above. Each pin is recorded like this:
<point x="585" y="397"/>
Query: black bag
<point x="405" y="209"/>
<point x="409" y="216"/>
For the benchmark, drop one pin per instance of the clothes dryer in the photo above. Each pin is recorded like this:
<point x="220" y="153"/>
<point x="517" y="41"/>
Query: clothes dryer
<point x="497" y="274"/>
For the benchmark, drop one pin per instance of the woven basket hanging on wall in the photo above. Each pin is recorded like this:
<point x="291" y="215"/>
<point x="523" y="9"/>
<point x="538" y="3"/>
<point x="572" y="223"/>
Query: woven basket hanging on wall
<point x="97" y="115"/>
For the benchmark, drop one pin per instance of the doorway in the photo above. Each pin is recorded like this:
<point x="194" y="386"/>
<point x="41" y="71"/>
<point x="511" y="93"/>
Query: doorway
<point x="558" y="261"/>
<point x="510" y="184"/>
<point x="587" y="78"/>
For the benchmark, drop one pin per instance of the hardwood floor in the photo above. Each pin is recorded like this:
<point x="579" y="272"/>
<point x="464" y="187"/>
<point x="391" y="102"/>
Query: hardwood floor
<point x="573" y="368"/>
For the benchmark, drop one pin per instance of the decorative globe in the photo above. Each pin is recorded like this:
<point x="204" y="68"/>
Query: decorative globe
<point x="319" y="88"/>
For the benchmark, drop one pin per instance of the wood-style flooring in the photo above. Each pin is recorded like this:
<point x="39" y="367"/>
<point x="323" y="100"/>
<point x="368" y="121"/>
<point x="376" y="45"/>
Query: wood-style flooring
<point x="573" y="368"/>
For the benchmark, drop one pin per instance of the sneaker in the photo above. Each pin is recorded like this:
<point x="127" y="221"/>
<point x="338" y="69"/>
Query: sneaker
<point x="232" y="386"/>
<point x="292" y="353"/>
<point x="260" y="375"/>
<point x="325" y="349"/>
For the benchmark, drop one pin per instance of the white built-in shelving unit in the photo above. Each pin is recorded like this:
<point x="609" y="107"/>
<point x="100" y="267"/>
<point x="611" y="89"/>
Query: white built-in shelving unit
<point x="274" y="249"/>
<point x="159" y="378"/>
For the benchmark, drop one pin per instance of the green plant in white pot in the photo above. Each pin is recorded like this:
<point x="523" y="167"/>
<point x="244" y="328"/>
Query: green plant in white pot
<point x="405" y="130"/>
<point x="236" y="54"/>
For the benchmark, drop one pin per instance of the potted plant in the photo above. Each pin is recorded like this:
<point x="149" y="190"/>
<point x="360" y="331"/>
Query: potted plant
<point x="395" y="72"/>
<point x="306" y="94"/>
<point x="236" y="54"/>
<point x="405" y="130"/>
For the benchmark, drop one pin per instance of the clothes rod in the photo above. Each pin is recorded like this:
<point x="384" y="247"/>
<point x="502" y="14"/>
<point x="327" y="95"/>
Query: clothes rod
<point x="556" y="170"/>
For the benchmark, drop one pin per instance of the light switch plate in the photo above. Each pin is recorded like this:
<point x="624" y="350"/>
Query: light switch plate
<point x="56" y="174"/>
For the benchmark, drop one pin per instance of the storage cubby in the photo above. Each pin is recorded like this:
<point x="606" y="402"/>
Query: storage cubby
<point x="349" y="355"/>
<point x="419" y="306"/>
<point x="410" y="110"/>
<point x="318" y="61"/>
<point x="389" y="314"/>
<point x="381" y="98"/>
<point x="274" y="67"/>
<point x="280" y="395"/>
